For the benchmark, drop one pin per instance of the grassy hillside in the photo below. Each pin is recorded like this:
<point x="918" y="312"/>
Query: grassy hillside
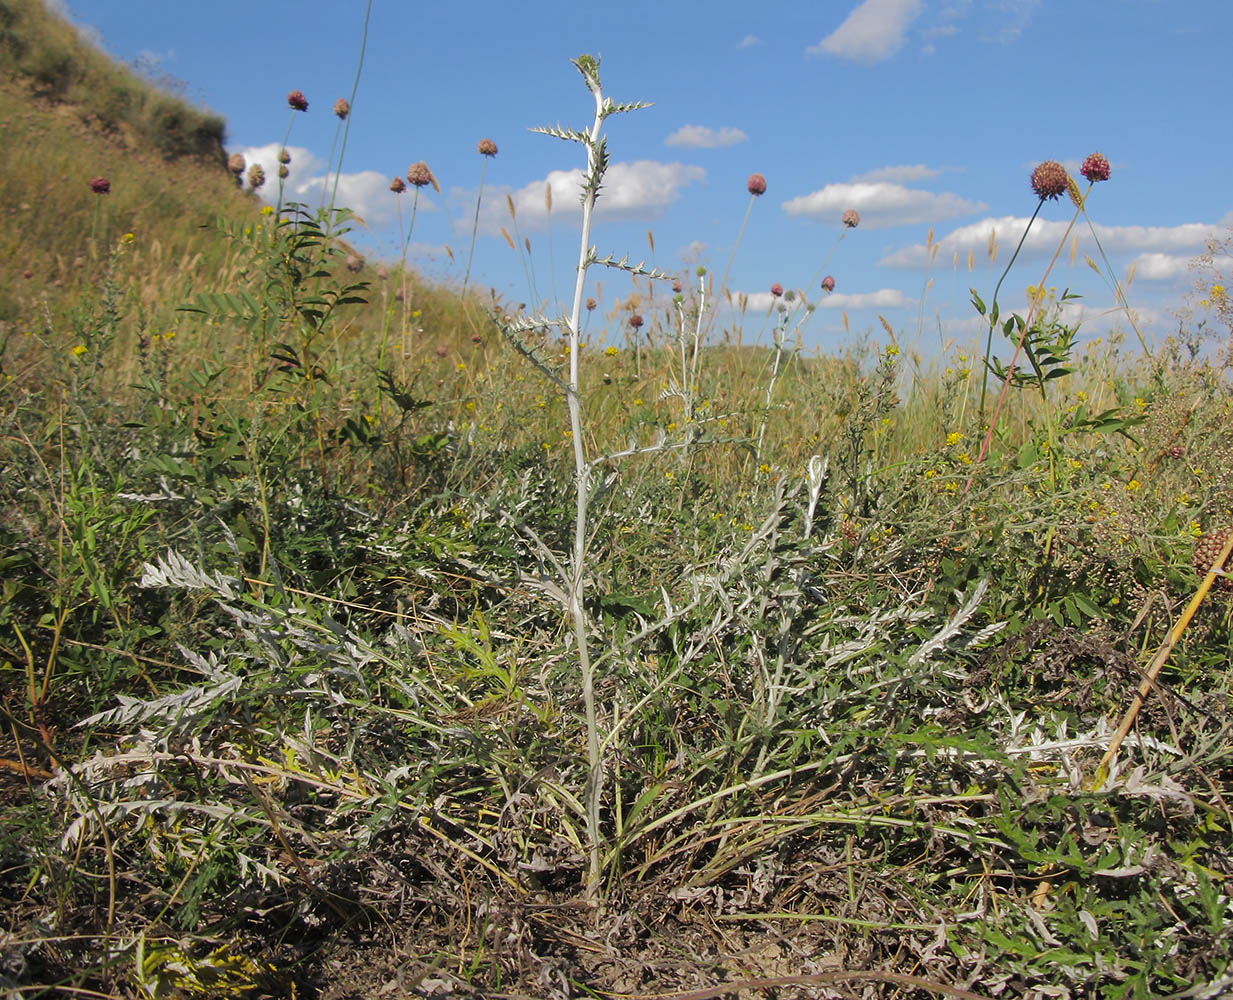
<point x="350" y="646"/>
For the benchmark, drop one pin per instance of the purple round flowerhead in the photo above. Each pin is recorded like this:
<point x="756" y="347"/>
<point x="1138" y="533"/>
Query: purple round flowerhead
<point x="828" y="284"/>
<point x="676" y="286"/>
<point x="591" y="303"/>
<point x="756" y="184"/>
<point x="284" y="156"/>
<point x="1050" y="180"/>
<point x="342" y="108"/>
<point x="236" y="164"/>
<point x="851" y="218"/>
<point x="419" y="174"/>
<point x="777" y="289"/>
<point x="100" y="185"/>
<point x="283" y="171"/>
<point x="486" y="147"/>
<point x="297" y="101"/>
<point x="635" y="321"/>
<point x="256" y="176"/>
<point x="1095" y="168"/>
<point x="398" y="185"/>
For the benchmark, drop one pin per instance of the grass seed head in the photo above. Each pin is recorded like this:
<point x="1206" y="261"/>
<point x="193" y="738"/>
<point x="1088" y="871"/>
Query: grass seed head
<point x="1207" y="550"/>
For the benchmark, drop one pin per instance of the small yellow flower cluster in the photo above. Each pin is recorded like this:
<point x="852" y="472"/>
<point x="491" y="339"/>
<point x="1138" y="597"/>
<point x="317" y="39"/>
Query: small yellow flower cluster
<point x="1133" y="485"/>
<point x="267" y="210"/>
<point x="953" y="438"/>
<point x="611" y="352"/>
<point x="79" y="350"/>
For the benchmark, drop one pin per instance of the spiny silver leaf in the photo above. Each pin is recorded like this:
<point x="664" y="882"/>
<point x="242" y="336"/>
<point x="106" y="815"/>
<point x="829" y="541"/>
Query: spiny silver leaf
<point x="623" y="265"/>
<point x="560" y="132"/>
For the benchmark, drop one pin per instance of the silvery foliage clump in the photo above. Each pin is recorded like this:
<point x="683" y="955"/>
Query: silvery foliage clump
<point x="280" y="653"/>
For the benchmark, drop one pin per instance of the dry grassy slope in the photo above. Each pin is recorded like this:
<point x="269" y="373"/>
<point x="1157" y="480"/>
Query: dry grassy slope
<point x="56" y="224"/>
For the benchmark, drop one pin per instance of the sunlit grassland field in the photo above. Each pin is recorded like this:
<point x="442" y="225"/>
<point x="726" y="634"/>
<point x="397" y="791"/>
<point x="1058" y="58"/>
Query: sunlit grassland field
<point x="364" y="636"/>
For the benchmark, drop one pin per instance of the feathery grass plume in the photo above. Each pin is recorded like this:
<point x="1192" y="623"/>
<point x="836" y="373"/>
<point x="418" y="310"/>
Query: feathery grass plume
<point x="296" y="101"/>
<point x="487" y="149"/>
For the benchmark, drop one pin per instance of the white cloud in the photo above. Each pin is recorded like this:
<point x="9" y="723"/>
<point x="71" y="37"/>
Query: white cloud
<point x="880" y="204"/>
<point x="900" y="174"/>
<point x="883" y="298"/>
<point x="872" y="32"/>
<point x="1046" y="235"/>
<point x="1160" y="266"/>
<point x="367" y="193"/>
<point x="701" y="137"/>
<point x="640" y="190"/>
<point x="749" y="41"/>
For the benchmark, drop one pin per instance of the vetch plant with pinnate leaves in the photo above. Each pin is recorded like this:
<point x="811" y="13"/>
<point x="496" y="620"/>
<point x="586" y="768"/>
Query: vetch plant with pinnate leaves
<point x="595" y="143"/>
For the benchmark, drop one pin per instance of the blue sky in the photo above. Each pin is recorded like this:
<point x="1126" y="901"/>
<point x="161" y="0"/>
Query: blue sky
<point x="920" y="114"/>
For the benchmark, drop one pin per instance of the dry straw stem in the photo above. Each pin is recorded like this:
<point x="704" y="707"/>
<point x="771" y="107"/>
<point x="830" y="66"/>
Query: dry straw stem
<point x="1158" y="662"/>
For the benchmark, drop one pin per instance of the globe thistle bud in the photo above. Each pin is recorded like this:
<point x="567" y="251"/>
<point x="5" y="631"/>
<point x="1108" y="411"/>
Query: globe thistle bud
<point x="342" y="108"/>
<point x="828" y="284"/>
<point x="777" y="289"/>
<point x="486" y="147"/>
<point x="419" y="174"/>
<point x="297" y="101"/>
<point x="100" y="185"/>
<point x="236" y="164"/>
<point x="756" y="184"/>
<point x="1050" y="180"/>
<point x="1095" y="168"/>
<point x="398" y="185"/>
<point x="284" y="156"/>
<point x="256" y="176"/>
<point x="851" y="218"/>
